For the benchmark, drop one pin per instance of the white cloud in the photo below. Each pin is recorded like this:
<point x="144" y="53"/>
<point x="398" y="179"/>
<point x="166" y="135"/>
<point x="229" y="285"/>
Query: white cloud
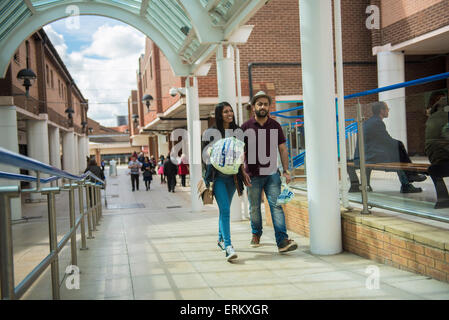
<point x="105" y="71"/>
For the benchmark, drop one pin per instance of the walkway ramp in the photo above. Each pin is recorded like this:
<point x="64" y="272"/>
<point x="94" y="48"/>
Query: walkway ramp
<point x="161" y="250"/>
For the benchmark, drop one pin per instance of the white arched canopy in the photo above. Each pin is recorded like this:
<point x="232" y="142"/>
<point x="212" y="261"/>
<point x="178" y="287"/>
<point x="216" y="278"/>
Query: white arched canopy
<point x="186" y="31"/>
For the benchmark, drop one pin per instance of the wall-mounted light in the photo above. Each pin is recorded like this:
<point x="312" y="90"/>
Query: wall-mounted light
<point x="91" y="130"/>
<point x="147" y="100"/>
<point x="69" y="112"/>
<point x="84" y="124"/>
<point x="27" y="78"/>
<point x="135" y="119"/>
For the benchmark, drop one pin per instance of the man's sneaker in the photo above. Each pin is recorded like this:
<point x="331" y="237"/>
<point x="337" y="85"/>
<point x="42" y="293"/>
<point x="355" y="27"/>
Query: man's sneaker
<point x="409" y="188"/>
<point x="255" y="241"/>
<point x="221" y="245"/>
<point x="230" y="253"/>
<point x="287" y="245"/>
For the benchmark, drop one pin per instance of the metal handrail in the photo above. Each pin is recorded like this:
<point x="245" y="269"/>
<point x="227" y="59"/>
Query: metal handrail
<point x="23" y="162"/>
<point x="93" y="212"/>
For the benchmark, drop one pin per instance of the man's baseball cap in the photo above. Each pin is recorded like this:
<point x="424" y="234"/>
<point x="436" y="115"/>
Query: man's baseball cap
<point x="258" y="95"/>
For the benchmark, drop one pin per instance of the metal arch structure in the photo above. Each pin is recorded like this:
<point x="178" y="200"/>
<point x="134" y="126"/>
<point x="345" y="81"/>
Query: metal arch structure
<point x="186" y="31"/>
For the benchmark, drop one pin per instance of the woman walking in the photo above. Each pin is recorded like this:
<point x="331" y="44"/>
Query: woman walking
<point x="160" y="169"/>
<point x="183" y="169"/>
<point x="147" y="168"/>
<point x="224" y="185"/>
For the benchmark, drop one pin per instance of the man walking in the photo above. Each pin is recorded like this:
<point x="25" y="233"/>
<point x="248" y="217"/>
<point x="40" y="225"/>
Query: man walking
<point x="134" y="166"/>
<point x="264" y="138"/>
<point x="170" y="170"/>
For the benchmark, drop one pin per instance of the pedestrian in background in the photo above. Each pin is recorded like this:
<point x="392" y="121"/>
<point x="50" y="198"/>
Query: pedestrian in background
<point x="183" y="169"/>
<point x="147" y="168"/>
<point x="160" y="169"/>
<point x="134" y="166"/>
<point x="170" y="170"/>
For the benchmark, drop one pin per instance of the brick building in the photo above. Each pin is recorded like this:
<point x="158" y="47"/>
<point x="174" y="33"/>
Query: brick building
<point x="54" y="115"/>
<point x="271" y="61"/>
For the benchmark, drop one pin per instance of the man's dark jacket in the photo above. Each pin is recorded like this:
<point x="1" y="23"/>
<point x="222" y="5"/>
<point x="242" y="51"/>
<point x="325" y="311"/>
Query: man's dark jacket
<point x="170" y="169"/>
<point x="379" y="145"/>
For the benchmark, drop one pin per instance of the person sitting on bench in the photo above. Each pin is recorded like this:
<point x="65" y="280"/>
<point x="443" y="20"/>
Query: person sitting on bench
<point x="437" y="130"/>
<point x="380" y="147"/>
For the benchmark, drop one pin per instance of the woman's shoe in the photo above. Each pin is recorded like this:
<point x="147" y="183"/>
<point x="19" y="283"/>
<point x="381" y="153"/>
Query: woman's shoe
<point x="230" y="253"/>
<point x="221" y="245"/>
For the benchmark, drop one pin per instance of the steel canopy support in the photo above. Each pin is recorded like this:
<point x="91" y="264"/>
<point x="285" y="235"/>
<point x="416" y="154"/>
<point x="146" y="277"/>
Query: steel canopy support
<point x="201" y="22"/>
<point x="194" y="131"/>
<point x="10" y="43"/>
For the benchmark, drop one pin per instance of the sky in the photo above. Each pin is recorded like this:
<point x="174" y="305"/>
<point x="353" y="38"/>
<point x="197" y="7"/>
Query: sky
<point x="102" y="55"/>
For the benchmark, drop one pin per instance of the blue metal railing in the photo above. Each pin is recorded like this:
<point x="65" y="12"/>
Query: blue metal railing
<point x="92" y="210"/>
<point x="352" y="128"/>
<point x="20" y="161"/>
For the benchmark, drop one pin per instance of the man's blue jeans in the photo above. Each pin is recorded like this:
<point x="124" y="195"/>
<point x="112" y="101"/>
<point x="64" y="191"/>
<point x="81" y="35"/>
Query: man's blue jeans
<point x="272" y="187"/>
<point x="224" y="189"/>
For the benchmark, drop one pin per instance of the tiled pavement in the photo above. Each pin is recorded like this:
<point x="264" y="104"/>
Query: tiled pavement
<point x="170" y="253"/>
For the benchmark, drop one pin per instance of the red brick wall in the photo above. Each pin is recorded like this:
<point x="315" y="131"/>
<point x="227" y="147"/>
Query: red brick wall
<point x="373" y="242"/>
<point x="421" y="20"/>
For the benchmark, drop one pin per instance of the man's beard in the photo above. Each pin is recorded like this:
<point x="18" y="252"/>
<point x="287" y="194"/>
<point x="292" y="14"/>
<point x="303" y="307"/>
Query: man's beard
<point x="261" y="113"/>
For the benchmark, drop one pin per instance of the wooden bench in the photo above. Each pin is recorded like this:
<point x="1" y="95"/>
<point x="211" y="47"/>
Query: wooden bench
<point x="436" y="172"/>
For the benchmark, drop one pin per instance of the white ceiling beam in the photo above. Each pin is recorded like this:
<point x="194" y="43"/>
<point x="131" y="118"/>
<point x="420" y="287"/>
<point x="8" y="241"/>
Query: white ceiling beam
<point x="201" y="22"/>
<point x="144" y="7"/>
<point x="245" y="13"/>
<point x="16" y="36"/>
<point x="212" y="4"/>
<point x="30" y="6"/>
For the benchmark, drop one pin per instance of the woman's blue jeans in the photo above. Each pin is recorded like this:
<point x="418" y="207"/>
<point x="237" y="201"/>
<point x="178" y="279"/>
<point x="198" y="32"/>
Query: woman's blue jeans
<point x="272" y="187"/>
<point x="224" y="189"/>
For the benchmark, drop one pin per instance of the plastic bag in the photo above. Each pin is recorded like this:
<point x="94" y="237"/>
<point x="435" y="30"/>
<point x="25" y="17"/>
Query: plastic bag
<point x="286" y="195"/>
<point x="227" y="155"/>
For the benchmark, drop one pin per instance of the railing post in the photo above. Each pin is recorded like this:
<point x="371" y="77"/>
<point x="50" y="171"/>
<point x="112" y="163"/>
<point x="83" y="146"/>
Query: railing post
<point x="363" y="188"/>
<point x="81" y="210"/>
<point x="6" y="243"/>
<point x="290" y="145"/>
<point x="94" y="207"/>
<point x="97" y="202"/>
<point x="89" y="209"/>
<point x="100" y="208"/>
<point x="53" y="241"/>
<point x="72" y="224"/>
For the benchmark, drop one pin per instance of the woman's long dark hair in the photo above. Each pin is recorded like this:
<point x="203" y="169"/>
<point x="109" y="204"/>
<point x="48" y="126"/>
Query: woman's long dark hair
<point x="219" y="118"/>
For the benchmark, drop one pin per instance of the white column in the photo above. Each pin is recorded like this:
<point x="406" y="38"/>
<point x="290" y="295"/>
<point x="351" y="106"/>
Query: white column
<point x="227" y="92"/>
<point x="162" y="145"/>
<point x="9" y="140"/>
<point x="86" y="146"/>
<point x="320" y="126"/>
<point x="38" y="148"/>
<point x="68" y="152"/>
<point x="194" y="130"/>
<point x="54" y="144"/>
<point x="391" y="70"/>
<point x="76" y="154"/>
<point x="81" y="154"/>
